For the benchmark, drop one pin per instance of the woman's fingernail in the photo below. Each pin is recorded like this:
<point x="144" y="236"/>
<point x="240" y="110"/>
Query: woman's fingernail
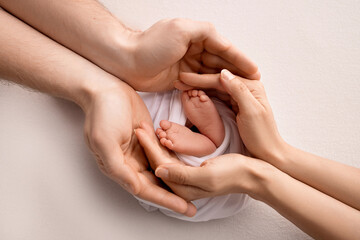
<point x="162" y="173"/>
<point x="226" y="75"/>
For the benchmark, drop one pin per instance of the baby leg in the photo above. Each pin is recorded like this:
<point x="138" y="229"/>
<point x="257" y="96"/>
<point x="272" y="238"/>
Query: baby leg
<point x="201" y="112"/>
<point x="182" y="140"/>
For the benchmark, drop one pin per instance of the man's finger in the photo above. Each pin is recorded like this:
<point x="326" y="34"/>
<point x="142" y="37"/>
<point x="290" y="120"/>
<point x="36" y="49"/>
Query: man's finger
<point x="203" y="81"/>
<point x="234" y="56"/>
<point x="218" y="45"/>
<point x="213" y="61"/>
<point x="238" y="90"/>
<point x="116" y="168"/>
<point x="162" y="197"/>
<point x="182" y="86"/>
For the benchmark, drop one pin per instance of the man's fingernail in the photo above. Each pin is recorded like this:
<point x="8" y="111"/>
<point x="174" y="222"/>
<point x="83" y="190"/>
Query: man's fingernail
<point x="226" y="75"/>
<point x="162" y="173"/>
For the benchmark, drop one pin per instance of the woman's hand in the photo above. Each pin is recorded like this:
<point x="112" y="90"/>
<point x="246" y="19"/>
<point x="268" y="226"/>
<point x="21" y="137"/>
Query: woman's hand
<point x="230" y="173"/>
<point x="248" y="99"/>
<point x="158" y="55"/>
<point x="255" y="119"/>
<point x="112" y="114"/>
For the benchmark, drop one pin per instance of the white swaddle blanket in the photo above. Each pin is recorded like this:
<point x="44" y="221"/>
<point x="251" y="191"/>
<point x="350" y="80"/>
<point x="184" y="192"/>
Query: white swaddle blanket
<point x="168" y="106"/>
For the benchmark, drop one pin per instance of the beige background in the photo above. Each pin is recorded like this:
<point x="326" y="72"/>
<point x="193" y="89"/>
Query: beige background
<point x="309" y="55"/>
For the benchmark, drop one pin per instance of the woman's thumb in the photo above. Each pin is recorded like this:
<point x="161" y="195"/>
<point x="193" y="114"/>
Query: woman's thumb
<point x="177" y="173"/>
<point x="236" y="87"/>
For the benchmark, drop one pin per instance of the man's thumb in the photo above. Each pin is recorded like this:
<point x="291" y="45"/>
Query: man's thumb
<point x="238" y="90"/>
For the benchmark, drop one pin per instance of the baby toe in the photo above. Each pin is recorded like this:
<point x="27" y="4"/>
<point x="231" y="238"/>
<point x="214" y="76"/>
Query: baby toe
<point x="169" y="144"/>
<point x="163" y="141"/>
<point x="201" y="92"/>
<point x="194" y="93"/>
<point x="158" y="131"/>
<point x="165" y="125"/>
<point x="162" y="134"/>
<point x="204" y="98"/>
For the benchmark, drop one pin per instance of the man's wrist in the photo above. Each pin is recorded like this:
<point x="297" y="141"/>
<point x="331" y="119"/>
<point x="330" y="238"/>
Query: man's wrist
<point x="120" y="49"/>
<point x="90" y="88"/>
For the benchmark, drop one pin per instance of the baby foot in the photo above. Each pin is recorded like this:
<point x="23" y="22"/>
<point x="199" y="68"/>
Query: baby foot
<point x="182" y="140"/>
<point x="201" y="112"/>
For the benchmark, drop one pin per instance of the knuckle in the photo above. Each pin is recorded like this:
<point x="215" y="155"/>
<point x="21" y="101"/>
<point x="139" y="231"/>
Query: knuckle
<point x="176" y="24"/>
<point x="211" y="26"/>
<point x="259" y="86"/>
<point x="96" y="139"/>
<point x="180" y="178"/>
<point x="113" y="174"/>
<point x="257" y="113"/>
<point x="239" y="85"/>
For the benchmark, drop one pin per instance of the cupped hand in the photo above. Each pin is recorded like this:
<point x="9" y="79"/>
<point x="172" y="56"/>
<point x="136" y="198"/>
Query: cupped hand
<point x="221" y="175"/>
<point x="172" y="46"/>
<point x="255" y="119"/>
<point x="111" y="117"/>
<point x="247" y="98"/>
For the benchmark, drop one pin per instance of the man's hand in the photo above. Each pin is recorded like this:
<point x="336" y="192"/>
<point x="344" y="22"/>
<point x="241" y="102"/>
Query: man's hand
<point x="111" y="117"/>
<point x="173" y="46"/>
<point x="148" y="61"/>
<point x="112" y="108"/>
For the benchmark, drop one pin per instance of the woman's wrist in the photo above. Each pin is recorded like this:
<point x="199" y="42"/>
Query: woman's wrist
<point x="259" y="176"/>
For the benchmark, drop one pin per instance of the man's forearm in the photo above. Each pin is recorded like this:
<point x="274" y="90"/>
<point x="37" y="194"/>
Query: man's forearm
<point x="83" y="26"/>
<point x="29" y="58"/>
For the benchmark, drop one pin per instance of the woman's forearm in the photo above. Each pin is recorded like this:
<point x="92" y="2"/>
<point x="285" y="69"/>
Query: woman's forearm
<point x="316" y="213"/>
<point x="29" y="58"/>
<point x="84" y="26"/>
<point x="335" y="179"/>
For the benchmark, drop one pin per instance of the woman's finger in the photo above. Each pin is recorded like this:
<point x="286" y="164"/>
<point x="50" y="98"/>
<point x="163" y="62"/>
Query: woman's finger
<point x="238" y="90"/>
<point x="184" y="175"/>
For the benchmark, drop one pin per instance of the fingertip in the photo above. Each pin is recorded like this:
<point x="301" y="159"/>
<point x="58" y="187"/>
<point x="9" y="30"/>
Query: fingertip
<point x="191" y="210"/>
<point x="255" y="76"/>
<point x="134" y="189"/>
<point x="226" y="75"/>
<point x="182" y="86"/>
<point x="162" y="172"/>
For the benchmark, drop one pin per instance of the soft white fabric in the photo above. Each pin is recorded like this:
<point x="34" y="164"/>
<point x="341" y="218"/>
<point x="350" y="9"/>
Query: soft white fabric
<point x="168" y="106"/>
